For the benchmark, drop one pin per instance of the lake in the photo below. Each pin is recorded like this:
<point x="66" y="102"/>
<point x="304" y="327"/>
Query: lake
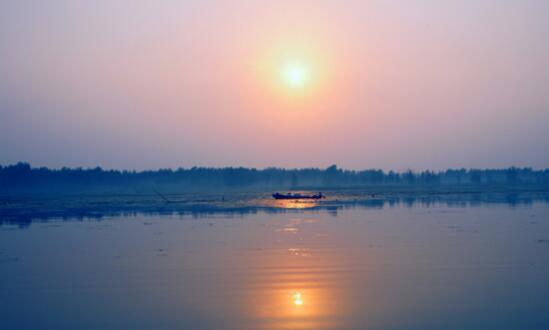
<point x="390" y="266"/>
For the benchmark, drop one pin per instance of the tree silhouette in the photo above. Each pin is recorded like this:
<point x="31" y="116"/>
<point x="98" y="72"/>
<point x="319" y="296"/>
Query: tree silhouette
<point x="23" y="178"/>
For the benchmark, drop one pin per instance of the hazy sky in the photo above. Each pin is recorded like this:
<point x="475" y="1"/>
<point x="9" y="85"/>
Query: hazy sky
<point x="362" y="84"/>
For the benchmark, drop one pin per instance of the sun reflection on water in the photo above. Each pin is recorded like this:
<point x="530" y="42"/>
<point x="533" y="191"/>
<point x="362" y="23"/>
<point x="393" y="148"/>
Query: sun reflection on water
<point x="290" y="203"/>
<point x="301" y="289"/>
<point x="299" y="296"/>
<point x="297" y="299"/>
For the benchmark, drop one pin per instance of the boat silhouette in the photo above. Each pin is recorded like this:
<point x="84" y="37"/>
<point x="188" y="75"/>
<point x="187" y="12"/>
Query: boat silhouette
<point x="297" y="196"/>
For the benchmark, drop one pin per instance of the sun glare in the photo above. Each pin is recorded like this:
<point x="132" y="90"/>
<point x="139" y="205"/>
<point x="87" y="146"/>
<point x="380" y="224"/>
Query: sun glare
<point x="295" y="75"/>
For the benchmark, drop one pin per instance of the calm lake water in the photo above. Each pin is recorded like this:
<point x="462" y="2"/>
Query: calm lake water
<point x="420" y="267"/>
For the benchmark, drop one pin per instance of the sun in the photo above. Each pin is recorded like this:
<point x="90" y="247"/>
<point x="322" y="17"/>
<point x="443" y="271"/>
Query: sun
<point x="295" y="74"/>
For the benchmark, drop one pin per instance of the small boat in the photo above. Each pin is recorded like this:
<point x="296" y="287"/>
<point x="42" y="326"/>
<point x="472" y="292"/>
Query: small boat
<point x="297" y="196"/>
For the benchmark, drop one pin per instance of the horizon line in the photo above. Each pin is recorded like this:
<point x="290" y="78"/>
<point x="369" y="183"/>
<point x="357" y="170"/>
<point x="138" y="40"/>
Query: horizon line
<point x="334" y="166"/>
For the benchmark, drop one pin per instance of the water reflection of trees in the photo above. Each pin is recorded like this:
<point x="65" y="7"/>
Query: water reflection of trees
<point x="23" y="217"/>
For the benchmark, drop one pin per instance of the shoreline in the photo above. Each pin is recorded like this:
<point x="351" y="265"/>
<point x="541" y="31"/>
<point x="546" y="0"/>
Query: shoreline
<point x="22" y="210"/>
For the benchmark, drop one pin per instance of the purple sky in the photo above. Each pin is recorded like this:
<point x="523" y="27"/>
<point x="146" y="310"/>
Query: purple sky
<point x="385" y="84"/>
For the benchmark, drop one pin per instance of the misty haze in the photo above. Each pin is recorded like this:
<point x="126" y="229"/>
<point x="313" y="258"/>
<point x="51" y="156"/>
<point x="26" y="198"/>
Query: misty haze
<point x="248" y="165"/>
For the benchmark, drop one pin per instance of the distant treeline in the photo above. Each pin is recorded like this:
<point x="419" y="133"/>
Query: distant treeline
<point x="22" y="177"/>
